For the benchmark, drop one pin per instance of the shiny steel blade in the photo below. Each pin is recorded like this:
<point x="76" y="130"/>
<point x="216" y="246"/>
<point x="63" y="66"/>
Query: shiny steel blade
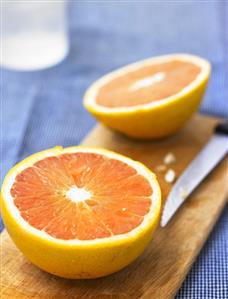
<point x="199" y="168"/>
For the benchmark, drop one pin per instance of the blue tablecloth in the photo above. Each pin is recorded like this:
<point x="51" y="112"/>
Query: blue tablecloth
<point x="43" y="109"/>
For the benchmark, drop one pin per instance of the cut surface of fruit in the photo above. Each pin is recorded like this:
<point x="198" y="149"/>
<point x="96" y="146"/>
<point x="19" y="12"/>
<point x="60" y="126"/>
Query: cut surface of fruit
<point x="80" y="212"/>
<point x="152" y="98"/>
<point x="82" y="196"/>
<point x="147" y="84"/>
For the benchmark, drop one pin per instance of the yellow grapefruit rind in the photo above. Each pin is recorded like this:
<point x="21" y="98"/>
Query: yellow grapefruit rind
<point x="156" y="119"/>
<point x="74" y="258"/>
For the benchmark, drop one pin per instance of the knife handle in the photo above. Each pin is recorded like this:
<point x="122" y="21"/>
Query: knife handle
<point x="222" y="128"/>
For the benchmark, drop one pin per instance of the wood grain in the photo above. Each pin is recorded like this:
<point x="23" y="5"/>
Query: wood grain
<point x="159" y="272"/>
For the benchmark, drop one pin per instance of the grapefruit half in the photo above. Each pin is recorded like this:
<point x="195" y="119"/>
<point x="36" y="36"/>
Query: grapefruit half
<point x="80" y="212"/>
<point x="152" y="98"/>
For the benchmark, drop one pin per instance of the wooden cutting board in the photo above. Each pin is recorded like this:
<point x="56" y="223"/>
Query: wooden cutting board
<point x="159" y="272"/>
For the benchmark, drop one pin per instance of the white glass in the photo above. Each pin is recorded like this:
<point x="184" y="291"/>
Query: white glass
<point x="34" y="34"/>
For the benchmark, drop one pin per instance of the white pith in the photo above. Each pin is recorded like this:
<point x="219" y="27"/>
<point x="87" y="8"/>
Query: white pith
<point x="90" y="96"/>
<point x="76" y="194"/>
<point x="158" y="77"/>
<point x="140" y="168"/>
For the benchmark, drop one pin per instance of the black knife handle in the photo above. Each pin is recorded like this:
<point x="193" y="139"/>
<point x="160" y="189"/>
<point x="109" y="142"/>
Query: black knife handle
<point x="222" y="128"/>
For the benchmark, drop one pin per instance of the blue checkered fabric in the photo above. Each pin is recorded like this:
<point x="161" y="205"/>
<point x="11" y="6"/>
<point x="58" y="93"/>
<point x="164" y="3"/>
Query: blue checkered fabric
<point x="43" y="109"/>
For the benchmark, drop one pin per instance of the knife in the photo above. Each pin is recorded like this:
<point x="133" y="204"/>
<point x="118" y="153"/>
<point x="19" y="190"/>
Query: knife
<point x="214" y="151"/>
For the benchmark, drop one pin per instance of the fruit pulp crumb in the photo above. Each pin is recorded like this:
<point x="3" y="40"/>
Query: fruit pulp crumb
<point x="161" y="168"/>
<point x="169" y="159"/>
<point x="170" y="176"/>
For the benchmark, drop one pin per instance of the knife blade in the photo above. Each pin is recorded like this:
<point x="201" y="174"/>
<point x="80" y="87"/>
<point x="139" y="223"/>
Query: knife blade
<point x="214" y="151"/>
